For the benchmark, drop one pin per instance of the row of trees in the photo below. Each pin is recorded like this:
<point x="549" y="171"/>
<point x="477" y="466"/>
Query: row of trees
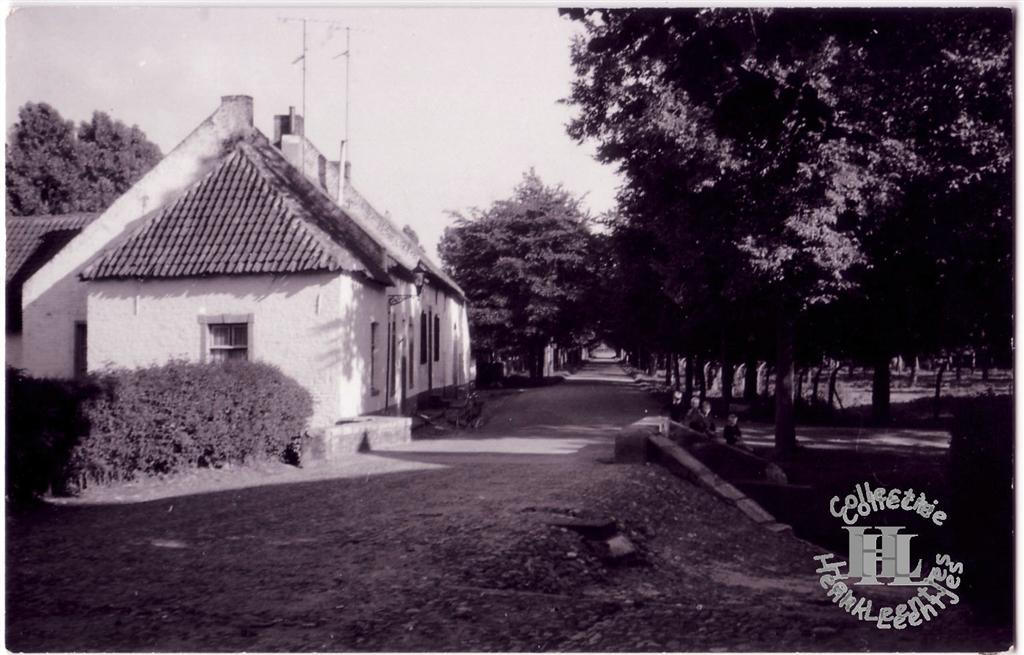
<point x="802" y="184"/>
<point x="54" y="167"/>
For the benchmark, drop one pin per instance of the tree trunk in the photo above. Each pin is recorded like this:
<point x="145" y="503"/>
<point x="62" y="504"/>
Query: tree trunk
<point x="814" y="385"/>
<point x="688" y="391"/>
<point x="750" y="380"/>
<point x="785" y="421"/>
<point x="833" y="377"/>
<point x="957" y="361"/>
<point x="702" y="382"/>
<point x="880" y="384"/>
<point x="727" y="376"/>
<point x="531" y="363"/>
<point x="799" y="394"/>
<point x="668" y="370"/>
<point x="675" y="369"/>
<point x="937" y="405"/>
<point x="914" y="363"/>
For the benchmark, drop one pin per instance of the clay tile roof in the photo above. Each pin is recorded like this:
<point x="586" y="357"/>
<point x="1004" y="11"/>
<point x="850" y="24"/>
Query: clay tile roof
<point x="34" y="240"/>
<point x="249" y="215"/>
<point x="404" y="249"/>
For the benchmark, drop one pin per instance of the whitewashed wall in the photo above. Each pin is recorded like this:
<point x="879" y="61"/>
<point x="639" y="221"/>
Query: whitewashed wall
<point x="54" y="298"/>
<point x="12" y="350"/>
<point x="314" y="327"/>
<point x="453" y="363"/>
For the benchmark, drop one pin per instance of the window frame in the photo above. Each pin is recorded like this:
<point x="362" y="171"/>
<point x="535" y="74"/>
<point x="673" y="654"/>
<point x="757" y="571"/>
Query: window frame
<point x="206" y="321"/>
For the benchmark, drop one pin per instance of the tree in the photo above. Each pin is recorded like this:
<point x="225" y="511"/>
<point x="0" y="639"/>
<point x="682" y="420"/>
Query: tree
<point x="113" y="157"/>
<point x="42" y="163"/>
<point x="733" y="161"/>
<point x="524" y="265"/>
<point x="52" y="168"/>
<point x="779" y="141"/>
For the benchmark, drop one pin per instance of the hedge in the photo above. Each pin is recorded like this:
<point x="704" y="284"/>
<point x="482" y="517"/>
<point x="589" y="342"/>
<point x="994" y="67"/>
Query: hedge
<point x="981" y="509"/>
<point x="44" y="424"/>
<point x="122" y="425"/>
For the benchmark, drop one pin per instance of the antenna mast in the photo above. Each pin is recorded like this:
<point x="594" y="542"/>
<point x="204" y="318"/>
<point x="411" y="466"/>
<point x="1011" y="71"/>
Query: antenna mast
<point x="303" y="57"/>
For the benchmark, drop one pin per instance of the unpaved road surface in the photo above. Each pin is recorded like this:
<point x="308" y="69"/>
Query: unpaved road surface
<point x="462" y="557"/>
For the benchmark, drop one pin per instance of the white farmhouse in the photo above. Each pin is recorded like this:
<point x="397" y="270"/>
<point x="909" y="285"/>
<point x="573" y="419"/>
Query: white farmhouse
<point x="236" y="246"/>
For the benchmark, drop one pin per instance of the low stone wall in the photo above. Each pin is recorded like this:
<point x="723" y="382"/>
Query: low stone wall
<point x="360" y="434"/>
<point x="649" y="440"/>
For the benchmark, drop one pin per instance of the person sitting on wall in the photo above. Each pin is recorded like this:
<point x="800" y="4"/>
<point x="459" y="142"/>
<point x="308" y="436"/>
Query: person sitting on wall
<point x="694" y="413"/>
<point x="675" y="411"/>
<point x="732" y="433"/>
<point x="699" y="418"/>
<point x="709" y="423"/>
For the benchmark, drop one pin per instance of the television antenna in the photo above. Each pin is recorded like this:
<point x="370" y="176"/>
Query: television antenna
<point x="332" y="25"/>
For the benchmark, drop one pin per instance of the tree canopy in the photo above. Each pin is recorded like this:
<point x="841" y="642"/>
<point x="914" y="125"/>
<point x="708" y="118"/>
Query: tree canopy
<point x="54" y="167"/>
<point x="779" y="160"/>
<point x="525" y="265"/>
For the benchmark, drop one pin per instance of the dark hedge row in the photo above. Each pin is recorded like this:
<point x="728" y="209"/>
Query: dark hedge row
<point x="123" y="425"/>
<point x="981" y="477"/>
<point x="44" y="422"/>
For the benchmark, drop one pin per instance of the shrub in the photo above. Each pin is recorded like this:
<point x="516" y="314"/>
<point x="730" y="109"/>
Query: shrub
<point x="44" y="424"/>
<point x="170" y="418"/>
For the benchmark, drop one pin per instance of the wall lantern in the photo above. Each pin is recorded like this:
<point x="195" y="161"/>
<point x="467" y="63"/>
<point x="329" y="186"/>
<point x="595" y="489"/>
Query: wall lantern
<point x="419" y="279"/>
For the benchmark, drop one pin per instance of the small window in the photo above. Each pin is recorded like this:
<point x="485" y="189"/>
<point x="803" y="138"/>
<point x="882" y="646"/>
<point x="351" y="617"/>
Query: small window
<point x="424" y="340"/>
<point x="81" y="352"/>
<point x="229" y="341"/>
<point x="437" y="338"/>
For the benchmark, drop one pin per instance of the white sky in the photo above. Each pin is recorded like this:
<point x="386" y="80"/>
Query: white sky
<point x="449" y="105"/>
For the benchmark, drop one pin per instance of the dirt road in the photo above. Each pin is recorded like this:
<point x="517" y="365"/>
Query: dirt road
<point x="457" y="557"/>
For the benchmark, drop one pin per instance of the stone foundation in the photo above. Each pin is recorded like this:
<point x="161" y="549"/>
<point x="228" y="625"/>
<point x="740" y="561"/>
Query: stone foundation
<point x="356" y="435"/>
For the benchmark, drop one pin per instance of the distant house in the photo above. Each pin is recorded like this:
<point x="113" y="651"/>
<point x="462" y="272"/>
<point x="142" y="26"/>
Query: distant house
<point x="31" y="242"/>
<point x="236" y="246"/>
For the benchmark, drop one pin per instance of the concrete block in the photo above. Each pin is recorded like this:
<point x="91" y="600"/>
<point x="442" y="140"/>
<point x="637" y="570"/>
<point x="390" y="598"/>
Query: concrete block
<point x="359" y="435"/>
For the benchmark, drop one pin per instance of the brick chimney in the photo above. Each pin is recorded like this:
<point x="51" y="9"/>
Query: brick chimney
<point x="287" y="124"/>
<point x="236" y="110"/>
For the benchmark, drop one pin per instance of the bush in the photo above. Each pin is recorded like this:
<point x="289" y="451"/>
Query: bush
<point x="170" y="418"/>
<point x="44" y="424"/>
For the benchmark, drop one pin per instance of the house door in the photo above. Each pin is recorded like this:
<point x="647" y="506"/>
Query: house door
<point x="405" y="382"/>
<point x="81" y="353"/>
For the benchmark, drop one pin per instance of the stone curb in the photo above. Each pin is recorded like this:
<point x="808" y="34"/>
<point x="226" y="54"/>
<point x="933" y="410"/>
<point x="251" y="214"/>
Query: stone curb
<point x="678" y="460"/>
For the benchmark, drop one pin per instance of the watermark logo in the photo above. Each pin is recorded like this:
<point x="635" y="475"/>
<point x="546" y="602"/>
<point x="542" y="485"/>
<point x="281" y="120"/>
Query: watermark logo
<point x="885" y="553"/>
<point x="883" y="556"/>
